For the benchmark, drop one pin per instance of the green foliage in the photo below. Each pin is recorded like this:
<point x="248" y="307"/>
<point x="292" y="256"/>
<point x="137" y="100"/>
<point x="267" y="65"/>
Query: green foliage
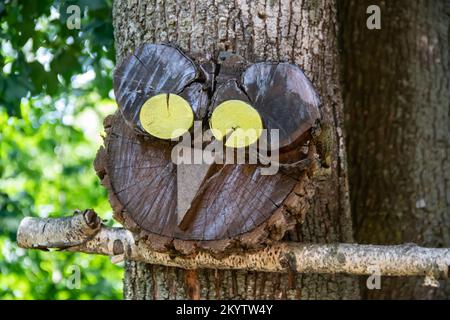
<point x="54" y="86"/>
<point x="33" y="30"/>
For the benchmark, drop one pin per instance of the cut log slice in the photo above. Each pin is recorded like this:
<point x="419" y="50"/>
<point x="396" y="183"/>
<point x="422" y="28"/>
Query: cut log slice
<point x="198" y="98"/>
<point x="284" y="97"/>
<point x="233" y="206"/>
<point x="237" y="206"/>
<point x="227" y="91"/>
<point x="151" y="69"/>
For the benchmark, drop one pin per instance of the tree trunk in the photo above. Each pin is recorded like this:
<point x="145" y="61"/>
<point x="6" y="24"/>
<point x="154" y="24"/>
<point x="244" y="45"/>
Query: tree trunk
<point x="397" y="118"/>
<point x="303" y="32"/>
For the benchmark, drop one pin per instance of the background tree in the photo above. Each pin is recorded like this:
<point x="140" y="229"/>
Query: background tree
<point x="397" y="102"/>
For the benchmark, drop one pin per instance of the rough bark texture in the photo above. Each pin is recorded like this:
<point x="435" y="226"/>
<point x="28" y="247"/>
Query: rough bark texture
<point x="303" y="32"/>
<point x="84" y="232"/>
<point x="397" y="115"/>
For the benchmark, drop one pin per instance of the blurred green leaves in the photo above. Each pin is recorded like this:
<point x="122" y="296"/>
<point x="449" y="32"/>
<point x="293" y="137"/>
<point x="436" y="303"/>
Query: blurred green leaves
<point x="54" y="92"/>
<point x="41" y="55"/>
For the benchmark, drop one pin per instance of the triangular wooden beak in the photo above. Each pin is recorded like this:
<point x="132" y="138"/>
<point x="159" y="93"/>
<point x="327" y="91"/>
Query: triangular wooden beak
<point x="190" y="178"/>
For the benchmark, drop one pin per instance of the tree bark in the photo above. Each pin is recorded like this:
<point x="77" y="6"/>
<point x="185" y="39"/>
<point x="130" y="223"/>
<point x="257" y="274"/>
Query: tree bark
<point x="85" y="232"/>
<point x="397" y="117"/>
<point x="298" y="31"/>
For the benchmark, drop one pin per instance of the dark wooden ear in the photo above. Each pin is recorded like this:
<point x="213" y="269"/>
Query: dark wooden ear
<point x="285" y="99"/>
<point x="149" y="70"/>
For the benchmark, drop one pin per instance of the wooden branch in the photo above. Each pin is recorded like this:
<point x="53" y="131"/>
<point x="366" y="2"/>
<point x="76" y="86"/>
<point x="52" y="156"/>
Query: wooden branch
<point x="84" y="232"/>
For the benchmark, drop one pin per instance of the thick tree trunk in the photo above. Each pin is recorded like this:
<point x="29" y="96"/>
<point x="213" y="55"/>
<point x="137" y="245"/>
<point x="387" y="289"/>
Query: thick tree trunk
<point x="397" y="115"/>
<point x="303" y="32"/>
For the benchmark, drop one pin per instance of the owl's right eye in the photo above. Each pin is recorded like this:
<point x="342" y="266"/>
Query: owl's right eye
<point x="236" y="121"/>
<point x="166" y="116"/>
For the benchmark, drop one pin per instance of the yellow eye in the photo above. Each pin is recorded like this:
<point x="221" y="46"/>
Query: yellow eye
<point x="166" y="116"/>
<point x="238" y="121"/>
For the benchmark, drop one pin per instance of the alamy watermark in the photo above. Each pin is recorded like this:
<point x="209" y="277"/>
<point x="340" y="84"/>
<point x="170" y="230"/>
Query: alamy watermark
<point x="261" y="152"/>
<point x="373" y="282"/>
<point x="74" y="280"/>
<point x="71" y="277"/>
<point x="73" y="17"/>
<point x="373" y="22"/>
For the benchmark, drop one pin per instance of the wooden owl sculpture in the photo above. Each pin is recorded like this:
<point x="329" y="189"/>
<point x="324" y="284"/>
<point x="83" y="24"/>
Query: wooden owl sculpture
<point x="166" y="97"/>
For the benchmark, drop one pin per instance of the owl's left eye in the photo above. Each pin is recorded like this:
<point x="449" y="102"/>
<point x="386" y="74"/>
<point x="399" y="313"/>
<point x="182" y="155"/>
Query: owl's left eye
<point x="166" y="116"/>
<point x="236" y="121"/>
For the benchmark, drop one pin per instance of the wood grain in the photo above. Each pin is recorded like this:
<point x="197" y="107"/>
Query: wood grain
<point x="237" y="205"/>
<point x="284" y="97"/>
<point x="151" y="69"/>
<point x="143" y="178"/>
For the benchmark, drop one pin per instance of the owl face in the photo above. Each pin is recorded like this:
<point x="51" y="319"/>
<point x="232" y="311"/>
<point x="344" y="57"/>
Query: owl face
<point x="161" y="93"/>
